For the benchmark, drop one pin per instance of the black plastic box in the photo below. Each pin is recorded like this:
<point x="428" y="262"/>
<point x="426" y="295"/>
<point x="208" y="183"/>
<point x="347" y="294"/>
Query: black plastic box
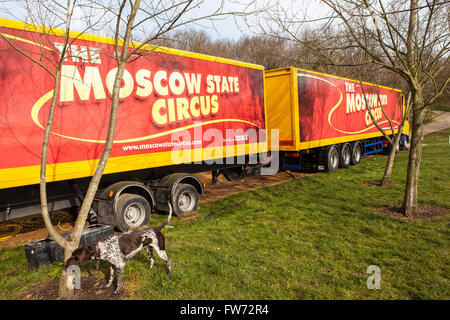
<point x="96" y="232"/>
<point x="39" y="253"/>
<point x="44" y="252"/>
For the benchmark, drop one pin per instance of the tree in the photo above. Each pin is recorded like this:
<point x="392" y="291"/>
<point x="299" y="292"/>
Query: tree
<point x="50" y="58"/>
<point x="409" y="38"/>
<point x="418" y="51"/>
<point x="146" y="21"/>
<point x="393" y="140"/>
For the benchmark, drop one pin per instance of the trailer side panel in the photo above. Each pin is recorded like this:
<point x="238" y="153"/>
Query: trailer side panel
<point x="313" y="110"/>
<point x="176" y="107"/>
<point x="333" y="110"/>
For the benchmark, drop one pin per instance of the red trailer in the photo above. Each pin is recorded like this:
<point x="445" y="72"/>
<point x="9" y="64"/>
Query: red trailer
<point x="324" y="119"/>
<point x="179" y="113"/>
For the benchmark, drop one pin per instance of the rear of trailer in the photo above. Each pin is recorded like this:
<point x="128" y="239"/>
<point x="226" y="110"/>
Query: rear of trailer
<point x="323" y="120"/>
<point x="179" y="113"/>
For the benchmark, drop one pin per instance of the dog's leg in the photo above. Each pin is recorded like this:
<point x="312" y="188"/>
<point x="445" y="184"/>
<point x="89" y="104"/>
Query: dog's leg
<point x="149" y="251"/>
<point x="163" y="255"/>
<point x="119" y="278"/>
<point x="111" y="276"/>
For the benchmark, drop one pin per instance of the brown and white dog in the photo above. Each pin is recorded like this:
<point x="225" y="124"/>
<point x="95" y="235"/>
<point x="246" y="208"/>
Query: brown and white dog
<point x="118" y="249"/>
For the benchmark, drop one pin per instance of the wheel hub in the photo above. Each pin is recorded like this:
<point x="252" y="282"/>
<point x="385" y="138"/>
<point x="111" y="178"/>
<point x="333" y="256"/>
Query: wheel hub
<point x="134" y="214"/>
<point x="185" y="202"/>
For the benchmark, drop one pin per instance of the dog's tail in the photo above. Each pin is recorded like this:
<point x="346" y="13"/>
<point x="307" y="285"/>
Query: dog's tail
<point x="168" y="218"/>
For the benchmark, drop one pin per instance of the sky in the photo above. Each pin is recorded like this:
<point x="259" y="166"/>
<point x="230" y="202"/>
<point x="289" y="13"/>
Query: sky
<point x="235" y="27"/>
<point x="230" y="27"/>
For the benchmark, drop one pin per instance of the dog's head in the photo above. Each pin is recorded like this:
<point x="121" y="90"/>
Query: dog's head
<point x="80" y="256"/>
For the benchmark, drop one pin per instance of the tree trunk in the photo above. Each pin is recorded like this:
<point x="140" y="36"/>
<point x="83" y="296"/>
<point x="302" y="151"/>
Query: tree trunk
<point x="64" y="292"/>
<point x="74" y="239"/>
<point x="69" y="246"/>
<point x="391" y="158"/>
<point x="415" y="156"/>
<point x="389" y="166"/>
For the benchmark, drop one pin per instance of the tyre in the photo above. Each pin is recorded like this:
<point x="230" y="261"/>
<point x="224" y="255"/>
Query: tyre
<point x="345" y="156"/>
<point x="332" y="159"/>
<point x="132" y="211"/>
<point x="185" y="199"/>
<point x="356" y="154"/>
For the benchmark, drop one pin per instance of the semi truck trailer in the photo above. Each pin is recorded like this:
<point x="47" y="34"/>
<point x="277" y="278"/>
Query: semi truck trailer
<point x="179" y="113"/>
<point x="324" y="121"/>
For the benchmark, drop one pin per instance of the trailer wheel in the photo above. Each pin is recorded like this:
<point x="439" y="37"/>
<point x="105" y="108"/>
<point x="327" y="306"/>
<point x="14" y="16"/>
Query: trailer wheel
<point x="332" y="159"/>
<point x="345" y="156"/>
<point x="185" y="199"/>
<point x="356" y="153"/>
<point x="132" y="211"/>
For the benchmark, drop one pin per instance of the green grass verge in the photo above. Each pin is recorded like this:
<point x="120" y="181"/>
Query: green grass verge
<point x="307" y="239"/>
<point x="441" y="108"/>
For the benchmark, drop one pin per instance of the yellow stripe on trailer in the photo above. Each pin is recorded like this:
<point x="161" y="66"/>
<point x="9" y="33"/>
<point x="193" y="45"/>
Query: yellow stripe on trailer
<point x="13" y="177"/>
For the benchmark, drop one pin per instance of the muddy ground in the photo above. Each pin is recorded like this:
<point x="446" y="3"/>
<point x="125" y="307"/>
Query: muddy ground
<point x="93" y="289"/>
<point x="441" y="121"/>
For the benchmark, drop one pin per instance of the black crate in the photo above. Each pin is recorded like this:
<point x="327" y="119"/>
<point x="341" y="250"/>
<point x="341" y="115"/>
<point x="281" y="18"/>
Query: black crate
<point x="39" y="253"/>
<point x="92" y="234"/>
<point x="57" y="252"/>
<point x="106" y="230"/>
<point x="45" y="251"/>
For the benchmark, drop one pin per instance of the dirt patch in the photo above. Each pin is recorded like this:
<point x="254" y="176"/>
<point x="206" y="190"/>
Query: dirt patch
<point x="224" y="188"/>
<point x="422" y="212"/>
<point x="376" y="184"/>
<point x="27" y="237"/>
<point x="92" y="288"/>
<point x="189" y="216"/>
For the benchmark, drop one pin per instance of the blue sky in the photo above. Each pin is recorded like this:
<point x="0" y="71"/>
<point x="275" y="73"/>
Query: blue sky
<point x="230" y="27"/>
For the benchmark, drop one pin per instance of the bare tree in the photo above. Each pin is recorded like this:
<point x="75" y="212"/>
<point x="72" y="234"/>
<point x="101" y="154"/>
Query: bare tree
<point x="393" y="139"/>
<point x="409" y="38"/>
<point x="418" y="52"/>
<point x="129" y="21"/>
<point x="45" y="18"/>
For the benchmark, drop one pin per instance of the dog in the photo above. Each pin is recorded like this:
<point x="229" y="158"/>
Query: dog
<point x="118" y="249"/>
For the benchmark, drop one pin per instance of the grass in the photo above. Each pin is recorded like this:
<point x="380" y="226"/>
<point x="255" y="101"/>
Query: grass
<point x="441" y="108"/>
<point x="307" y="239"/>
